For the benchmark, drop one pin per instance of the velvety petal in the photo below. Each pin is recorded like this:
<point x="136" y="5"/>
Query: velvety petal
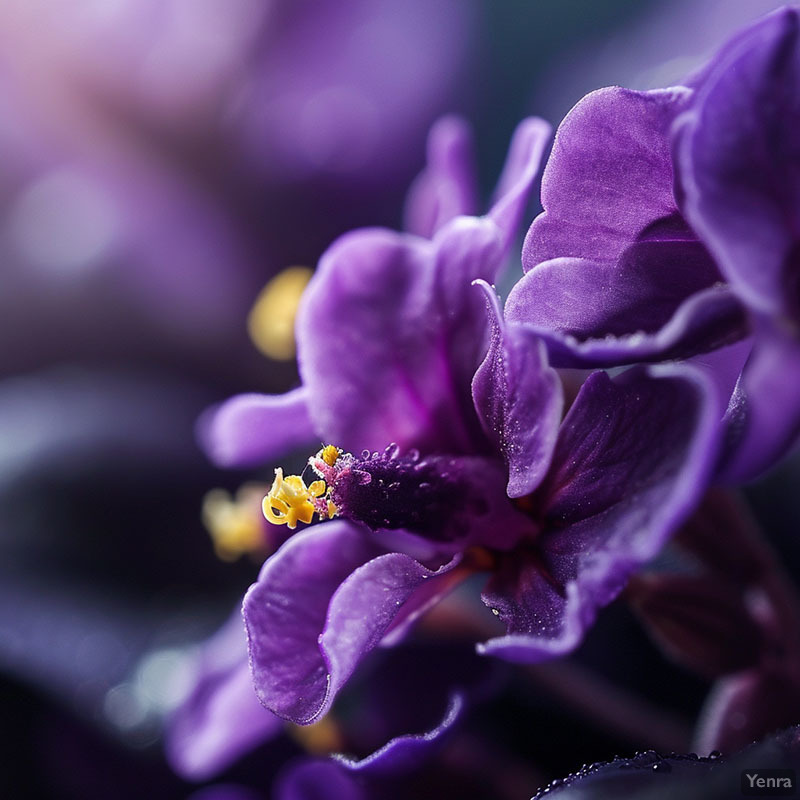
<point x="221" y="719"/>
<point x="638" y="290"/>
<point x="740" y="164"/>
<point x="390" y="333"/>
<point x="447" y="187"/>
<point x="519" y="400"/>
<point x="763" y="419"/>
<point x="318" y="780"/>
<point x="559" y="302"/>
<point x="253" y="428"/>
<point x="520" y="171"/>
<point x="407" y="750"/>
<point x="609" y="176"/>
<point x="323" y="601"/>
<point x="633" y="457"/>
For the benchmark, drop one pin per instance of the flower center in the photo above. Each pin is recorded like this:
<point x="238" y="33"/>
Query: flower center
<point x="452" y="500"/>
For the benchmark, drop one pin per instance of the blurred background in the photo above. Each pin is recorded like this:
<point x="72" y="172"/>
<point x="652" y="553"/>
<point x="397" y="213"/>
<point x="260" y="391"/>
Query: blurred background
<point x="161" y="162"/>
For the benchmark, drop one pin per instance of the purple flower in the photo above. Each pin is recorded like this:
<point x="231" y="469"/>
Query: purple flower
<point x="669" y="230"/>
<point x="478" y="475"/>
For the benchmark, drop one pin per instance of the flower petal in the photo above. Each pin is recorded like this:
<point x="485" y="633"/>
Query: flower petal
<point x="406" y="750"/>
<point x="390" y="333"/>
<point x="253" y="428"/>
<point x="447" y="187"/>
<point x="739" y="158"/>
<point x="519" y="400"/>
<point x="562" y="310"/>
<point x="323" y="601"/>
<point x="609" y="175"/>
<point x="221" y="719"/>
<point x="633" y="458"/>
<point x="520" y="171"/>
<point x="764" y="416"/>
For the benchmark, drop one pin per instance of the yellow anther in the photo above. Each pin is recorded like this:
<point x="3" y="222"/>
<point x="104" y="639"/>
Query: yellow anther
<point x="290" y="501"/>
<point x="329" y="454"/>
<point x="271" y="320"/>
<point x="235" y="524"/>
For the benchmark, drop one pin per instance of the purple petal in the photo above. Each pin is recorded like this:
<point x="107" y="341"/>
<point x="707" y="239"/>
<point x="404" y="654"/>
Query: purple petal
<point x="637" y="291"/>
<point x="611" y="262"/>
<point x="323" y="601"/>
<point x="390" y="333"/>
<point x="221" y="719"/>
<point x="253" y="428"/>
<point x="764" y="416"/>
<point x="633" y="458"/>
<point x="520" y="171"/>
<point x="740" y="158"/>
<point x="571" y="316"/>
<point x="405" y="751"/>
<point x="519" y="400"/>
<point x="447" y="187"/>
<point x="609" y="176"/>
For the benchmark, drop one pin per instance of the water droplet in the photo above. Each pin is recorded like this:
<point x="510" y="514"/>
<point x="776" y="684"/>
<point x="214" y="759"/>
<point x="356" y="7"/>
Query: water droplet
<point x="662" y="766"/>
<point x="714" y="755"/>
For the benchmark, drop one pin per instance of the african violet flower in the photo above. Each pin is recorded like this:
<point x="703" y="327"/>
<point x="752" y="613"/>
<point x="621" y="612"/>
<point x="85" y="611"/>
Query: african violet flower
<point x="669" y="230"/>
<point x="471" y="470"/>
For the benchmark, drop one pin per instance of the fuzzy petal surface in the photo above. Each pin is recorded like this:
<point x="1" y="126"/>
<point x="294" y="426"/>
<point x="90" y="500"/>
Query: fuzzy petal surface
<point x="447" y="187"/>
<point x="634" y="455"/>
<point x="740" y="162"/>
<point x="250" y="429"/>
<point x="390" y="333"/>
<point x="519" y="400"/>
<point x="323" y="601"/>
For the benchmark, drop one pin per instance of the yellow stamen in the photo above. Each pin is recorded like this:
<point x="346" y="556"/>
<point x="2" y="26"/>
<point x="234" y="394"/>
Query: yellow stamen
<point x="330" y="454"/>
<point x="290" y="501"/>
<point x="271" y="320"/>
<point x="235" y="524"/>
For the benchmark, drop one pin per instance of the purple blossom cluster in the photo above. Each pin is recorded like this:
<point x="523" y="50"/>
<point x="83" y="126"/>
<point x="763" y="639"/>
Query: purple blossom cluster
<point x="545" y="452"/>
